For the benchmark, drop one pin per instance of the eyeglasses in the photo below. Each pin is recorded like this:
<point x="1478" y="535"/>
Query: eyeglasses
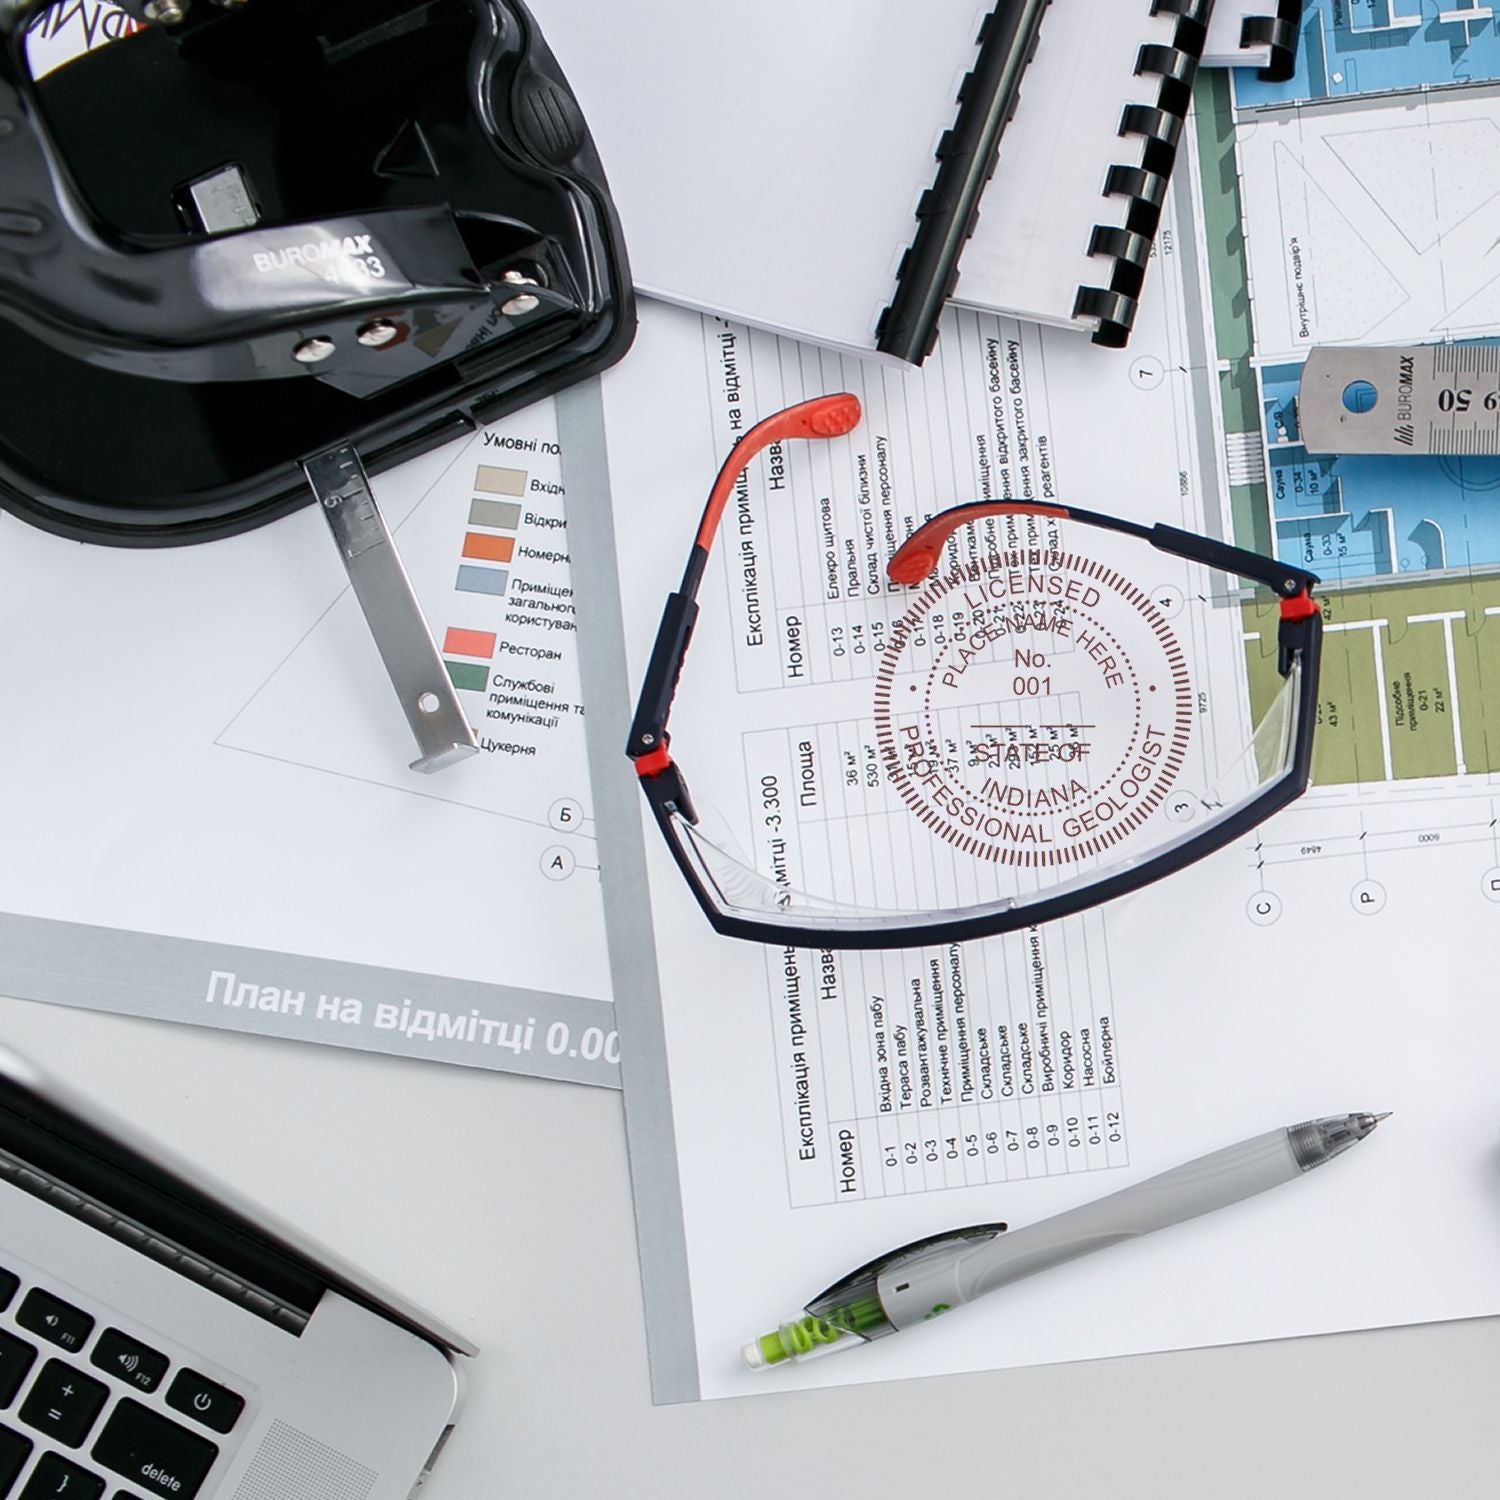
<point x="1031" y="743"/>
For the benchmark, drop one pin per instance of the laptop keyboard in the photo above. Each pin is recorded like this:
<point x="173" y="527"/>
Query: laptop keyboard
<point x="72" y="1425"/>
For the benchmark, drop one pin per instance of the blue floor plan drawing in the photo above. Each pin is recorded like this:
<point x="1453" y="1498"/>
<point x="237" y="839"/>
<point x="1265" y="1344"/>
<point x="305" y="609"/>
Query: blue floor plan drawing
<point x="1360" y="47"/>
<point x="1366" y="193"/>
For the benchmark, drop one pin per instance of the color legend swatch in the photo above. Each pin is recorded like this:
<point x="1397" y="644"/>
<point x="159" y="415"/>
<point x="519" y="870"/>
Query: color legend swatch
<point x="481" y="580"/>
<point x="493" y="481"/>
<point x="469" y="642"/>
<point x="503" y="515"/>
<point x="490" y="548"/>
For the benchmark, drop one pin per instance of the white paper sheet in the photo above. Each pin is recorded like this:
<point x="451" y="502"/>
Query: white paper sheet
<point x="1225" y="1013"/>
<point x="202" y="746"/>
<point x="768" y="166"/>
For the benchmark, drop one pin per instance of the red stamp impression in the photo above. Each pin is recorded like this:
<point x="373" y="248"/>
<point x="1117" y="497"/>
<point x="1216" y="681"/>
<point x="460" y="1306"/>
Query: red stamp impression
<point x="1033" y="708"/>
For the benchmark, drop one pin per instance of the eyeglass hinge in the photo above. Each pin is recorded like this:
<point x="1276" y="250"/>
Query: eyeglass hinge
<point x="1299" y="606"/>
<point x="652" y="762"/>
<point x="662" y="782"/>
<point x="1298" y="615"/>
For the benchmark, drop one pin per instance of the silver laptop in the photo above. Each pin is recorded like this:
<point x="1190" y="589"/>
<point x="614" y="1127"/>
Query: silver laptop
<point x="161" y="1339"/>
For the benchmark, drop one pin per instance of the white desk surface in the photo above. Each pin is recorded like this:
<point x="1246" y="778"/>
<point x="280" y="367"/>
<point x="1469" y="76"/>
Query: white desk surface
<point x="503" y="1203"/>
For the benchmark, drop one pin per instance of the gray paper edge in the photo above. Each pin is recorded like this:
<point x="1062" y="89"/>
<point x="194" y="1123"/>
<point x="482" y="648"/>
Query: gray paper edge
<point x="339" y="1002"/>
<point x="651" y="1135"/>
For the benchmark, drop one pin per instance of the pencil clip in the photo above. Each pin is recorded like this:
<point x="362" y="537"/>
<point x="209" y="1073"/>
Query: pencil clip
<point x="860" y="1282"/>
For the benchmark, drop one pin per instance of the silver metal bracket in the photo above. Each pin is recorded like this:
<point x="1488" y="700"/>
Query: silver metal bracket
<point x="1422" y="398"/>
<point x="411" y="659"/>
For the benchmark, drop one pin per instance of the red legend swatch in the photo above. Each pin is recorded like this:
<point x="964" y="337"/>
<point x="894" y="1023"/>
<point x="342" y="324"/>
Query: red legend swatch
<point x="469" y="642"/>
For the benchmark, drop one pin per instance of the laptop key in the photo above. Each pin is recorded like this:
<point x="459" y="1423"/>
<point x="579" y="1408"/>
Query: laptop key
<point x="9" y="1284"/>
<point x="14" y="1451"/>
<point x="16" y="1358"/>
<point x="54" y="1478"/>
<point x="204" y="1401"/>
<point x="157" y="1456"/>
<point x="62" y="1404"/>
<point x="118" y="1354"/>
<point x="51" y="1318"/>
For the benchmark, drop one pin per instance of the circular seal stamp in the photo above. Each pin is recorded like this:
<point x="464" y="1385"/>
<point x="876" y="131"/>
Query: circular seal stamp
<point x="1033" y="708"/>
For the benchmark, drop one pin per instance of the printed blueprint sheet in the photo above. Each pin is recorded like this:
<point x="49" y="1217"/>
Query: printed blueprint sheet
<point x="1359" y="204"/>
<point x="824" y="1107"/>
<point x="207" y="808"/>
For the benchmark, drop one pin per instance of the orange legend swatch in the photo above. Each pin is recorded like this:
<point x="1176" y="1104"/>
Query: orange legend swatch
<point x="489" y="548"/>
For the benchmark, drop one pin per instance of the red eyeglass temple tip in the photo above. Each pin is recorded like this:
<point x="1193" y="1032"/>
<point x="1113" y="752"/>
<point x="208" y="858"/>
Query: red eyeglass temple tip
<point x="833" y="416"/>
<point x="911" y="564"/>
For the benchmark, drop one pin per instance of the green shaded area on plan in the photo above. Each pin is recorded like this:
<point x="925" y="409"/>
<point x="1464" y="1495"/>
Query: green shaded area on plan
<point x="1249" y="504"/>
<point x="1229" y="277"/>
<point x="1410" y="679"/>
<point x="1228" y="284"/>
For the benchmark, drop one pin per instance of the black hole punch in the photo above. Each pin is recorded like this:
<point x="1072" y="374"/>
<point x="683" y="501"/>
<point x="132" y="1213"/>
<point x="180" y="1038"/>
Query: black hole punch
<point x="448" y="151"/>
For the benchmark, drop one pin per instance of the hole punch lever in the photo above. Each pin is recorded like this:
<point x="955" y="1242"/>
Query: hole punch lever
<point x="443" y="734"/>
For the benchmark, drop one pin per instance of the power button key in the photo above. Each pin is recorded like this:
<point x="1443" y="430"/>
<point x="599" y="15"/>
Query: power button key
<point x="203" y="1400"/>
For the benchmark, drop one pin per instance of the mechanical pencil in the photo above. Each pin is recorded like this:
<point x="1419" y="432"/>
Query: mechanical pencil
<point x="930" y="1276"/>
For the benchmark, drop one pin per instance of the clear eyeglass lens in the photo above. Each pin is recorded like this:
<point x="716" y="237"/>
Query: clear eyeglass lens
<point x="1026" y="723"/>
